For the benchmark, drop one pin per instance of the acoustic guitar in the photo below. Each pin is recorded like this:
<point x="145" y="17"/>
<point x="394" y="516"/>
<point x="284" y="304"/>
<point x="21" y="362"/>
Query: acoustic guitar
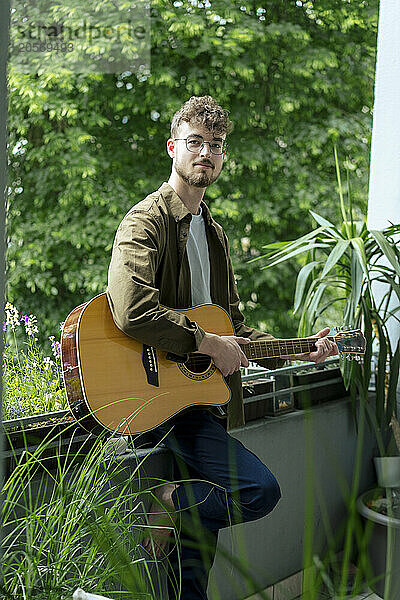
<point x="117" y="383"/>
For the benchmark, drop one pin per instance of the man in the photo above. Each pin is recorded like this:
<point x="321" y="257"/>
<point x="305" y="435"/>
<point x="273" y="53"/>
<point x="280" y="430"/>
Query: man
<point x="169" y="252"/>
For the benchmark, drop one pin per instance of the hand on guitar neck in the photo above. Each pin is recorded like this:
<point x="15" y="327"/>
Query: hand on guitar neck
<point x="225" y="351"/>
<point x="324" y="348"/>
<point x="229" y="357"/>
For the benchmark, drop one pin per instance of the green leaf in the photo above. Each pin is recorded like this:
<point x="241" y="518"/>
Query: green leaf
<point x="381" y="370"/>
<point x="387" y="249"/>
<point x="321" y="220"/>
<point x="305" y="325"/>
<point x="301" y="283"/>
<point x="393" y="382"/>
<point x="359" y="247"/>
<point x="312" y="309"/>
<point x="368" y="332"/>
<point x="275" y="245"/>
<point x="295" y="243"/>
<point x="295" y="253"/>
<point x="324" y="307"/>
<point x="357" y="280"/>
<point x="335" y="256"/>
<point x="342" y="207"/>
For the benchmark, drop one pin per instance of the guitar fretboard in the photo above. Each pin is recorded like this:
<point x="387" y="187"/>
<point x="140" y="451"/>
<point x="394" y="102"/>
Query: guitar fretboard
<point x="276" y="348"/>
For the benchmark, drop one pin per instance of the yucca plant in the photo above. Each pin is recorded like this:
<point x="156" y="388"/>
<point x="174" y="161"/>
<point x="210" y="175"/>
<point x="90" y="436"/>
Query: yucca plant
<point x="358" y="270"/>
<point x="347" y="264"/>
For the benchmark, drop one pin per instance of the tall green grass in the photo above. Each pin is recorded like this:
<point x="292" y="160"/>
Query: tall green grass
<point x="75" y="519"/>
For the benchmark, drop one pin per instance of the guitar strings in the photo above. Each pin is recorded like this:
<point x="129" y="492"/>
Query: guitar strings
<point x="258" y="349"/>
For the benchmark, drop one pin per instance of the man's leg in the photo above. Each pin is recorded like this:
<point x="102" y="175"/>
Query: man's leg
<point x="190" y="561"/>
<point x="228" y="484"/>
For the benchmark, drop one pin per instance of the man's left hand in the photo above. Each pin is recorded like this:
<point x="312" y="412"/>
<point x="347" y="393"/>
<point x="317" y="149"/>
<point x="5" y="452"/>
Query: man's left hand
<point x="324" y="349"/>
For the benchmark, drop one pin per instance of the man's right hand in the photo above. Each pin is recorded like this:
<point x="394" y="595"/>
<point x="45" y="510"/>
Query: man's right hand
<point x="225" y="351"/>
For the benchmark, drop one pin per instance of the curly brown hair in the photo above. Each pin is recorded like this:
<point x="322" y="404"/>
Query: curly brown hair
<point x="202" y="110"/>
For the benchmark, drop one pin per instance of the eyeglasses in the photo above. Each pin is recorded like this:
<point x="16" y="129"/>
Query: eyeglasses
<point x="196" y="144"/>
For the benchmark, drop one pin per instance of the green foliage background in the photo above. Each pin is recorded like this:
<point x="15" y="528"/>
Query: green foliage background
<point x="297" y="78"/>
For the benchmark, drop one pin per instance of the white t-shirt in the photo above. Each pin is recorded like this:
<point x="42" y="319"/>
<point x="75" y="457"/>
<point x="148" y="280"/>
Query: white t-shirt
<point x="199" y="261"/>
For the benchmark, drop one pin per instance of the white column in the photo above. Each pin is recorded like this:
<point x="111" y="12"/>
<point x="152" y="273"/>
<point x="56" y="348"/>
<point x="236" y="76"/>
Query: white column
<point x="384" y="185"/>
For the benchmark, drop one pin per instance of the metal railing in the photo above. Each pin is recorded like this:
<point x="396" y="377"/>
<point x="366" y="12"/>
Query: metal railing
<point x="259" y="373"/>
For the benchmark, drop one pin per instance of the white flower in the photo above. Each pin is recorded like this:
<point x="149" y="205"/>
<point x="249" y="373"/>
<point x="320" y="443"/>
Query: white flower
<point x="55" y="347"/>
<point x="47" y="362"/>
<point x="12" y="316"/>
<point x="30" y="324"/>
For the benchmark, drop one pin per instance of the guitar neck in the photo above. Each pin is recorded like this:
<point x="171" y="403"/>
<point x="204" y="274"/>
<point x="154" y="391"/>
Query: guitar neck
<point x="279" y="348"/>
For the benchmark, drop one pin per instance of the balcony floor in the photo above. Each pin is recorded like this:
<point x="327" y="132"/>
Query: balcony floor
<point x="367" y="594"/>
<point x="281" y="592"/>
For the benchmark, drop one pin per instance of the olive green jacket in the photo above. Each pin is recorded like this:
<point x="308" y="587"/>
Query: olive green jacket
<point x="149" y="267"/>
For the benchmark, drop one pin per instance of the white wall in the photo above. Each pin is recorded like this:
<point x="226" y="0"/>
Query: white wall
<point x="384" y="187"/>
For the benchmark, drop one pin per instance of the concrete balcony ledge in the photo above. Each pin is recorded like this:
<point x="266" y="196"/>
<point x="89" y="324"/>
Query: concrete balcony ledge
<point x="306" y="448"/>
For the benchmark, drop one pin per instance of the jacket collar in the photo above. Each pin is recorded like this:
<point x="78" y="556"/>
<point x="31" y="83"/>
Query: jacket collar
<point x="176" y="206"/>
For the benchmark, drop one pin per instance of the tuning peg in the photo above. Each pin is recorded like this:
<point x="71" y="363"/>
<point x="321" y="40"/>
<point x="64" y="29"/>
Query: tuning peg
<point x="341" y="328"/>
<point x="355" y="357"/>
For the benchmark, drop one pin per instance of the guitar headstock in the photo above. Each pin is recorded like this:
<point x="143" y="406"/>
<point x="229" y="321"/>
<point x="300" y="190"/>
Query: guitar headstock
<point x="350" y="342"/>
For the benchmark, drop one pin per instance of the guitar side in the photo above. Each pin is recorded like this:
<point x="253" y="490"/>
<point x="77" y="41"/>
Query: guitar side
<point x="72" y="374"/>
<point x="106" y="381"/>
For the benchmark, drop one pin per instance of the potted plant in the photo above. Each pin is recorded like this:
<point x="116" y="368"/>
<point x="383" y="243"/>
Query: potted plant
<point x="344" y="265"/>
<point x="388" y="467"/>
<point x="35" y="405"/>
<point x="32" y="377"/>
<point x="380" y="510"/>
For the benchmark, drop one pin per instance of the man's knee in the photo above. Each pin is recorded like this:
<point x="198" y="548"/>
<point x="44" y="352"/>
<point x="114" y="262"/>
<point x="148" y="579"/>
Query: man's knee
<point x="265" y="497"/>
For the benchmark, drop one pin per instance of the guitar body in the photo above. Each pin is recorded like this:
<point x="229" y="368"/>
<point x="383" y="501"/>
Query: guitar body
<point x="114" y="382"/>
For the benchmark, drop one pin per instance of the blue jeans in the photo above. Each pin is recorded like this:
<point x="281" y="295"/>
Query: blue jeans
<point x="228" y="484"/>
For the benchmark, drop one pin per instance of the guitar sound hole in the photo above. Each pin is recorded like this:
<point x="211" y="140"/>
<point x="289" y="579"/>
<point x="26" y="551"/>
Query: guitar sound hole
<point x="198" y="363"/>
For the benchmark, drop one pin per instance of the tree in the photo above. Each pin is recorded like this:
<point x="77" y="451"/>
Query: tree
<point x="297" y="77"/>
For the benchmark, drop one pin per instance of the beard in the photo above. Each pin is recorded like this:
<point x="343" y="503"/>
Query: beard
<point x="201" y="179"/>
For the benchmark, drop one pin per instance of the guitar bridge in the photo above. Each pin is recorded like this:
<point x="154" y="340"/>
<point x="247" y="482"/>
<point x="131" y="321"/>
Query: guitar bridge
<point x="150" y="364"/>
